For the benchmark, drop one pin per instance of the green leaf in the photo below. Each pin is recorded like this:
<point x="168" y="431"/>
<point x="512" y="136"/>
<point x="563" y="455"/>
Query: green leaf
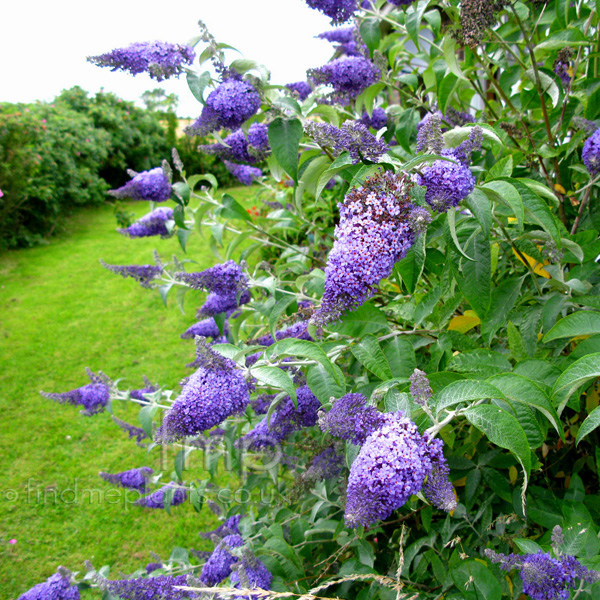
<point x="366" y="319"/>
<point x="503" y="168"/>
<point x="450" y="52"/>
<point x="284" y="137"/>
<point x="547" y="84"/>
<point x="180" y="460"/>
<point x="322" y="384"/>
<point x="580" y="372"/>
<point x="508" y="194"/>
<point x="451" y="216"/>
<point x="411" y="266"/>
<point x="516" y="342"/>
<point x="477" y="281"/>
<point x="502" y="429"/>
<point x="231" y="209"/>
<point x="481" y="207"/>
<point x="582" y="322"/>
<point x="145" y="416"/>
<point x="466" y="390"/>
<point x="476" y="581"/>
<point x="446" y="89"/>
<point x="525" y="391"/>
<point x="502" y="302"/>
<point x="369" y="353"/>
<point x="413" y="20"/>
<point x="371" y="33"/>
<point x="395" y="401"/>
<point x="400" y="356"/>
<point x="538" y="210"/>
<point x="164" y="292"/>
<point x="591" y="422"/>
<point x="197" y="83"/>
<point x="182" y="237"/>
<point x="179" y="216"/>
<point x="480" y="362"/>
<point x="275" y="377"/>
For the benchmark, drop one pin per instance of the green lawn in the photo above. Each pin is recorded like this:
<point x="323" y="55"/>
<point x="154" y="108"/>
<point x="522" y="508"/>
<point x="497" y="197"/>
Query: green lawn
<point x="61" y="311"/>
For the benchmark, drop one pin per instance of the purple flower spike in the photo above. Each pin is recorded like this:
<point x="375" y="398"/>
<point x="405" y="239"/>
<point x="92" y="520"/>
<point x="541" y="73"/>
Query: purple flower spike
<point x="156" y="499"/>
<point x="134" y="432"/>
<point x="134" y="479"/>
<point x="251" y="574"/>
<point x="376" y="121"/>
<point x="205" y="328"/>
<point x="229" y="106"/>
<point x="56" y="587"/>
<point x="326" y="465"/>
<point x="93" y="397"/>
<point x="214" y="392"/>
<point x="160" y="60"/>
<point x="457" y="118"/>
<point x="301" y="88"/>
<point x="226" y="278"/>
<point x="544" y="577"/>
<point x="245" y="174"/>
<point x="401" y="2"/>
<point x="153" y="185"/>
<point x="143" y="274"/>
<point x="591" y="153"/>
<point x="351" y="419"/>
<point x="152" y="224"/>
<point x="447" y="184"/>
<point x="420" y="389"/>
<point x="229" y="527"/>
<point x="238" y="147"/>
<point x="348" y="76"/>
<point x="391" y="466"/>
<point x="218" y="567"/>
<point x="338" y="11"/>
<point x="162" y="587"/>
<point x="284" y="421"/>
<point x="375" y="231"/>
<point x="149" y="389"/>
<point x="429" y="134"/>
<point x="223" y="303"/>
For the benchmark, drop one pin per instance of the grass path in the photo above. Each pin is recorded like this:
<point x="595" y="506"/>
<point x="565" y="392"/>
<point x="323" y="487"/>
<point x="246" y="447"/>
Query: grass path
<point x="61" y="311"/>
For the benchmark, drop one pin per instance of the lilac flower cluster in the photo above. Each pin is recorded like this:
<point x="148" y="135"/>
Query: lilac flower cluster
<point x="218" y="567"/>
<point x="338" y="11"/>
<point x="301" y="88"/>
<point x="375" y="230"/>
<point x="429" y="134"/>
<point x="400" y="2"/>
<point x="134" y="432"/>
<point x="584" y="125"/>
<point x="353" y="137"/>
<point x="151" y="567"/>
<point x="348" y="76"/>
<point x="153" y="185"/>
<point x="351" y="419"/>
<point x="562" y="65"/>
<point x="347" y="39"/>
<point x="151" y="588"/>
<point x="457" y="118"/>
<point x="420" y="389"/>
<point x="260" y="406"/>
<point x="377" y="120"/>
<point x="285" y="420"/>
<point x="438" y="489"/>
<point x="229" y="527"/>
<point x="298" y="330"/>
<point x="245" y="174"/>
<point x="134" y="479"/>
<point x="231" y="104"/>
<point x="154" y="223"/>
<point x="143" y="274"/>
<point x="205" y="328"/>
<point x="326" y="465"/>
<point x="160" y="60"/>
<point x="544" y="577"/>
<point x="224" y="279"/>
<point x="149" y="388"/>
<point x="251" y="573"/>
<point x="391" y="466"/>
<point x="222" y="303"/>
<point x="591" y="153"/>
<point x="240" y="148"/>
<point x="56" y="587"/>
<point x="157" y="499"/>
<point x="214" y="392"/>
<point x="93" y="397"/>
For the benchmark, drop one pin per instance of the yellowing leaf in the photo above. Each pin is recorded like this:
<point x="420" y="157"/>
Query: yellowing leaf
<point x="538" y="268"/>
<point x="460" y="482"/>
<point x="513" y="474"/>
<point x="512" y="219"/>
<point x="464" y="323"/>
<point x="559" y="188"/>
<point x="592" y="400"/>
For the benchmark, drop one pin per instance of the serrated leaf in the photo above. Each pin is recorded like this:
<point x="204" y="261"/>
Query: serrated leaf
<point x="369" y="353"/>
<point x="502" y="302"/>
<point x="197" y="84"/>
<point x="322" y="384"/>
<point x="502" y="429"/>
<point x="475" y="579"/>
<point x="146" y="416"/>
<point x="371" y="33"/>
<point x="582" y="322"/>
<point x="509" y="195"/>
<point x="400" y="356"/>
<point x="466" y="391"/>
<point x="451" y="216"/>
<point x="464" y="323"/>
<point x="547" y="84"/>
<point x="366" y="319"/>
<point x="477" y="281"/>
<point x="591" y="422"/>
<point x="480" y="362"/>
<point x="231" y="209"/>
<point x="481" y="207"/>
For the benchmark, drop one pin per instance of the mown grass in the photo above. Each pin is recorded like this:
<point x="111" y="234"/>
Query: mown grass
<point x="61" y="311"/>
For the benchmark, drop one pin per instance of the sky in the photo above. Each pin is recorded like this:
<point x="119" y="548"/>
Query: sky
<point x="44" y="45"/>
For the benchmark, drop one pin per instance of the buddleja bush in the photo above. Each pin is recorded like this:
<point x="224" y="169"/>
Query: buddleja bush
<point x="395" y="391"/>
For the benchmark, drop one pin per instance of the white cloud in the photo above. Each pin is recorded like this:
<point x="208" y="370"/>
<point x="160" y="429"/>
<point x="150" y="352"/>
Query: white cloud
<point x="48" y="42"/>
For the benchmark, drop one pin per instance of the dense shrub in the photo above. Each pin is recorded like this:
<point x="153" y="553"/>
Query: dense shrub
<point x="407" y="402"/>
